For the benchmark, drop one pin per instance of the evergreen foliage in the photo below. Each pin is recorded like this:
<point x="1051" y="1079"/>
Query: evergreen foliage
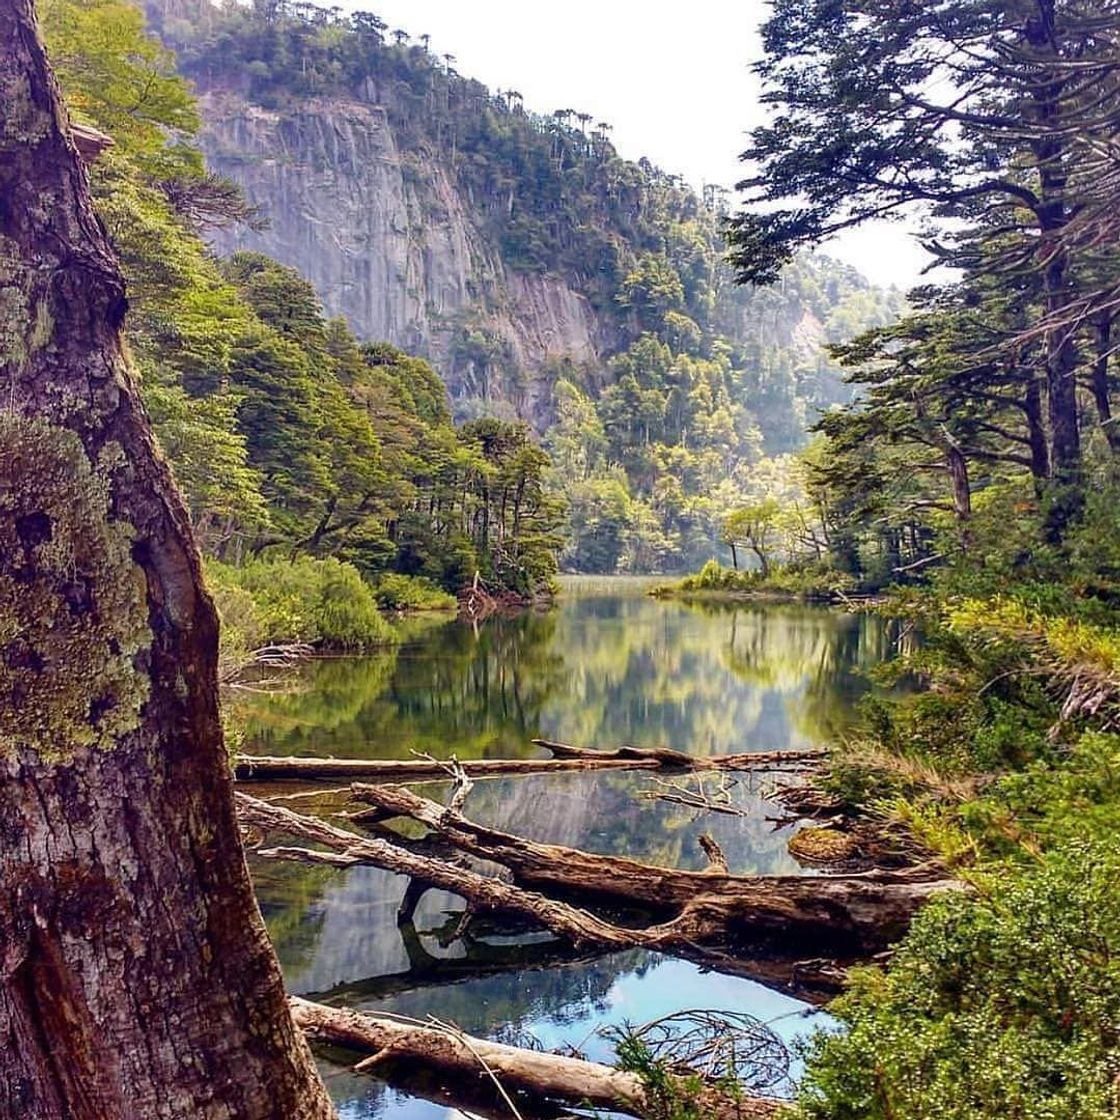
<point x="978" y="461"/>
<point x="291" y="441"/>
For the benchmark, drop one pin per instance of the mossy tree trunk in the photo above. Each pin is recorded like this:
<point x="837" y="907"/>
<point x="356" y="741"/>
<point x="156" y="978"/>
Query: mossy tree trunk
<point x="136" y="977"/>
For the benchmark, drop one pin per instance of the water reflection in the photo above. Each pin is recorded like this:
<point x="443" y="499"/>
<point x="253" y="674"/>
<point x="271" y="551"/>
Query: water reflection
<point x="569" y="1007"/>
<point x="605" y="668"/>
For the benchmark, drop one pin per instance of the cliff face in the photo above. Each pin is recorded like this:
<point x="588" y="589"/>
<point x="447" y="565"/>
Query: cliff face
<point x="390" y="244"/>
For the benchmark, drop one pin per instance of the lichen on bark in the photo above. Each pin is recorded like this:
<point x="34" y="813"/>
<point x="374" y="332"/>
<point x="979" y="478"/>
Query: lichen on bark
<point x="74" y="629"/>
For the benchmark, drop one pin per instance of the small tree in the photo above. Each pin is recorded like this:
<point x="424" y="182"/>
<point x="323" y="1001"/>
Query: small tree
<point x="755" y="527"/>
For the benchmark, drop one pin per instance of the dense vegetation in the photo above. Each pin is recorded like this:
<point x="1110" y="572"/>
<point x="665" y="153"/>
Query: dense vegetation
<point x="969" y="463"/>
<point x="310" y="462"/>
<point x="976" y="471"/>
<point x="701" y="380"/>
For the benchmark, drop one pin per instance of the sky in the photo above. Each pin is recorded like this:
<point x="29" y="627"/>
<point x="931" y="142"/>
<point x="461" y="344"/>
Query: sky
<point x="673" y="80"/>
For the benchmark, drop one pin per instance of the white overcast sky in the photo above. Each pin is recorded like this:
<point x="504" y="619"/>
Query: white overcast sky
<point x="673" y="80"/>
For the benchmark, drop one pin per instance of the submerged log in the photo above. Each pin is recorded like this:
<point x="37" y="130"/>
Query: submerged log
<point x="564" y="758"/>
<point x="868" y="908"/>
<point x="704" y="907"/>
<point x="551" y="1076"/>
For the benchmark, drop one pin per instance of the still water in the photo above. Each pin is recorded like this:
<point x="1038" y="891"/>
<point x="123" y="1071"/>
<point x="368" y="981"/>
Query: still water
<point x="608" y="666"/>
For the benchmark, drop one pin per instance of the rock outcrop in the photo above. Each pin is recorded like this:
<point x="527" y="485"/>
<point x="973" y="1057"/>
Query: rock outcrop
<point x="390" y="244"/>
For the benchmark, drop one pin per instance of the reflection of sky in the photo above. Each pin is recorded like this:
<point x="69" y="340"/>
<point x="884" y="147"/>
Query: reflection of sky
<point x="671" y="986"/>
<point x="646" y="987"/>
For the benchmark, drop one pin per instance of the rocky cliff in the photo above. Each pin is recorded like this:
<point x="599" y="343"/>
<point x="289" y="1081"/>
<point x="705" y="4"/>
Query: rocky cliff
<point x="390" y="244"/>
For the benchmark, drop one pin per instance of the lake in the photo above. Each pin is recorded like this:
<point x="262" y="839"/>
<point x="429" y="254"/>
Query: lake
<point x="609" y="665"/>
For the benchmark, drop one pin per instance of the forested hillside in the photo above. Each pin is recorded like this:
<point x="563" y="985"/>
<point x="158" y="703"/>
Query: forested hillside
<point x="289" y="438"/>
<point x="546" y="278"/>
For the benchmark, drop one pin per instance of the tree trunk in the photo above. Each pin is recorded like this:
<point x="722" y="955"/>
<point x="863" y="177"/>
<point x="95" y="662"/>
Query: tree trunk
<point x="136" y="977"/>
<point x="1061" y="350"/>
<point x="1101" y="394"/>
<point x="957" y="466"/>
<point x="1036" y="432"/>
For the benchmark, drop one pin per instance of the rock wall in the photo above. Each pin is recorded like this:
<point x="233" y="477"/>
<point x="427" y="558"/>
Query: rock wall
<point x="389" y="243"/>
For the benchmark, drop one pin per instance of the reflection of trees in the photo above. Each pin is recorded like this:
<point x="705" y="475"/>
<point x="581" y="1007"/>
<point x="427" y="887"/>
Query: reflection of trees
<point x="600" y="670"/>
<point x="445" y="690"/>
<point x="289" y="895"/>
<point x="817" y="660"/>
<point x="709" y="678"/>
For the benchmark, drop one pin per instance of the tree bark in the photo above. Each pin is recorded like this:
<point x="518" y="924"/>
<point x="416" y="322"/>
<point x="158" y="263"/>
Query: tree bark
<point x="1061" y="350"/>
<point x="469" y="1060"/>
<point x="1102" y="395"/>
<point x="136" y="977"/>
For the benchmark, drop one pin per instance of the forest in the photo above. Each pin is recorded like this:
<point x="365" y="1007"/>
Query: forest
<point x="291" y="440"/>
<point x="702" y="387"/>
<point x="312" y="763"/>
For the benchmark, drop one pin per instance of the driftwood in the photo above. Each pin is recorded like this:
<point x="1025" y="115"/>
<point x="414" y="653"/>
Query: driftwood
<point x="510" y="1069"/>
<point x="564" y="758"/>
<point x="869" y="908"/>
<point x="697" y="907"/>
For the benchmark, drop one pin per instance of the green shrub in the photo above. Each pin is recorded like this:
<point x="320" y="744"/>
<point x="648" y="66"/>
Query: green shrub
<point x="1048" y="804"/>
<point x="395" y="592"/>
<point x="319" y="602"/>
<point x="1002" y="1007"/>
<point x="242" y="629"/>
<point x="807" y="581"/>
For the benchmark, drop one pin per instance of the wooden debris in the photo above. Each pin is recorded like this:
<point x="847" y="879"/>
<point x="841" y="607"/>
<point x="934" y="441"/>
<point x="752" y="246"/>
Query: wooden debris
<point x="391" y="1039"/>
<point x="564" y="758"/>
<point x="701" y="907"/>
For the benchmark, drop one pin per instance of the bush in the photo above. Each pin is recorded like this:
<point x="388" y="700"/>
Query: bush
<point x="798" y="582"/>
<point x="395" y="592"/>
<point x="1005" y="1006"/>
<point x="319" y="602"/>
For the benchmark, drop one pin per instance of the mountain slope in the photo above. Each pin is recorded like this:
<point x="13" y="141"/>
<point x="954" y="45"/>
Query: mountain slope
<point x="547" y="278"/>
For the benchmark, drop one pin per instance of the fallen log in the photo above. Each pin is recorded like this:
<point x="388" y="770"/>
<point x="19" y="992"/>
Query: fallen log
<point x="867" y="908"/>
<point x="666" y="758"/>
<point x="511" y="1069"/>
<point x="706" y="907"/>
<point x="564" y="759"/>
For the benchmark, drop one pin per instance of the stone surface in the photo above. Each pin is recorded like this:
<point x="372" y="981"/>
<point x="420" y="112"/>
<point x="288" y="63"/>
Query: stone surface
<point x="389" y="243"/>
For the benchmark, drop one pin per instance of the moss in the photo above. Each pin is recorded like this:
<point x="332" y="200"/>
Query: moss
<point x="74" y="631"/>
<point x="43" y="329"/>
<point x="23" y="121"/>
<point x="822" y="845"/>
<point x="14" y="322"/>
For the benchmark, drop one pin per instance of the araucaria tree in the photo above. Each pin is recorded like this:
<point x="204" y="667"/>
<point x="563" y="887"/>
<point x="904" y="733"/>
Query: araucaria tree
<point x="998" y="119"/>
<point x="136" y="978"/>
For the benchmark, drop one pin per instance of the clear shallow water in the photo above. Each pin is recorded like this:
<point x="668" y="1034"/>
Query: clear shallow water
<point x="608" y="666"/>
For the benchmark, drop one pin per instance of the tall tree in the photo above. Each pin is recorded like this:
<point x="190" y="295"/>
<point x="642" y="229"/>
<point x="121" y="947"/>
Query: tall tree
<point x="137" y="978"/>
<point x="994" y="112"/>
